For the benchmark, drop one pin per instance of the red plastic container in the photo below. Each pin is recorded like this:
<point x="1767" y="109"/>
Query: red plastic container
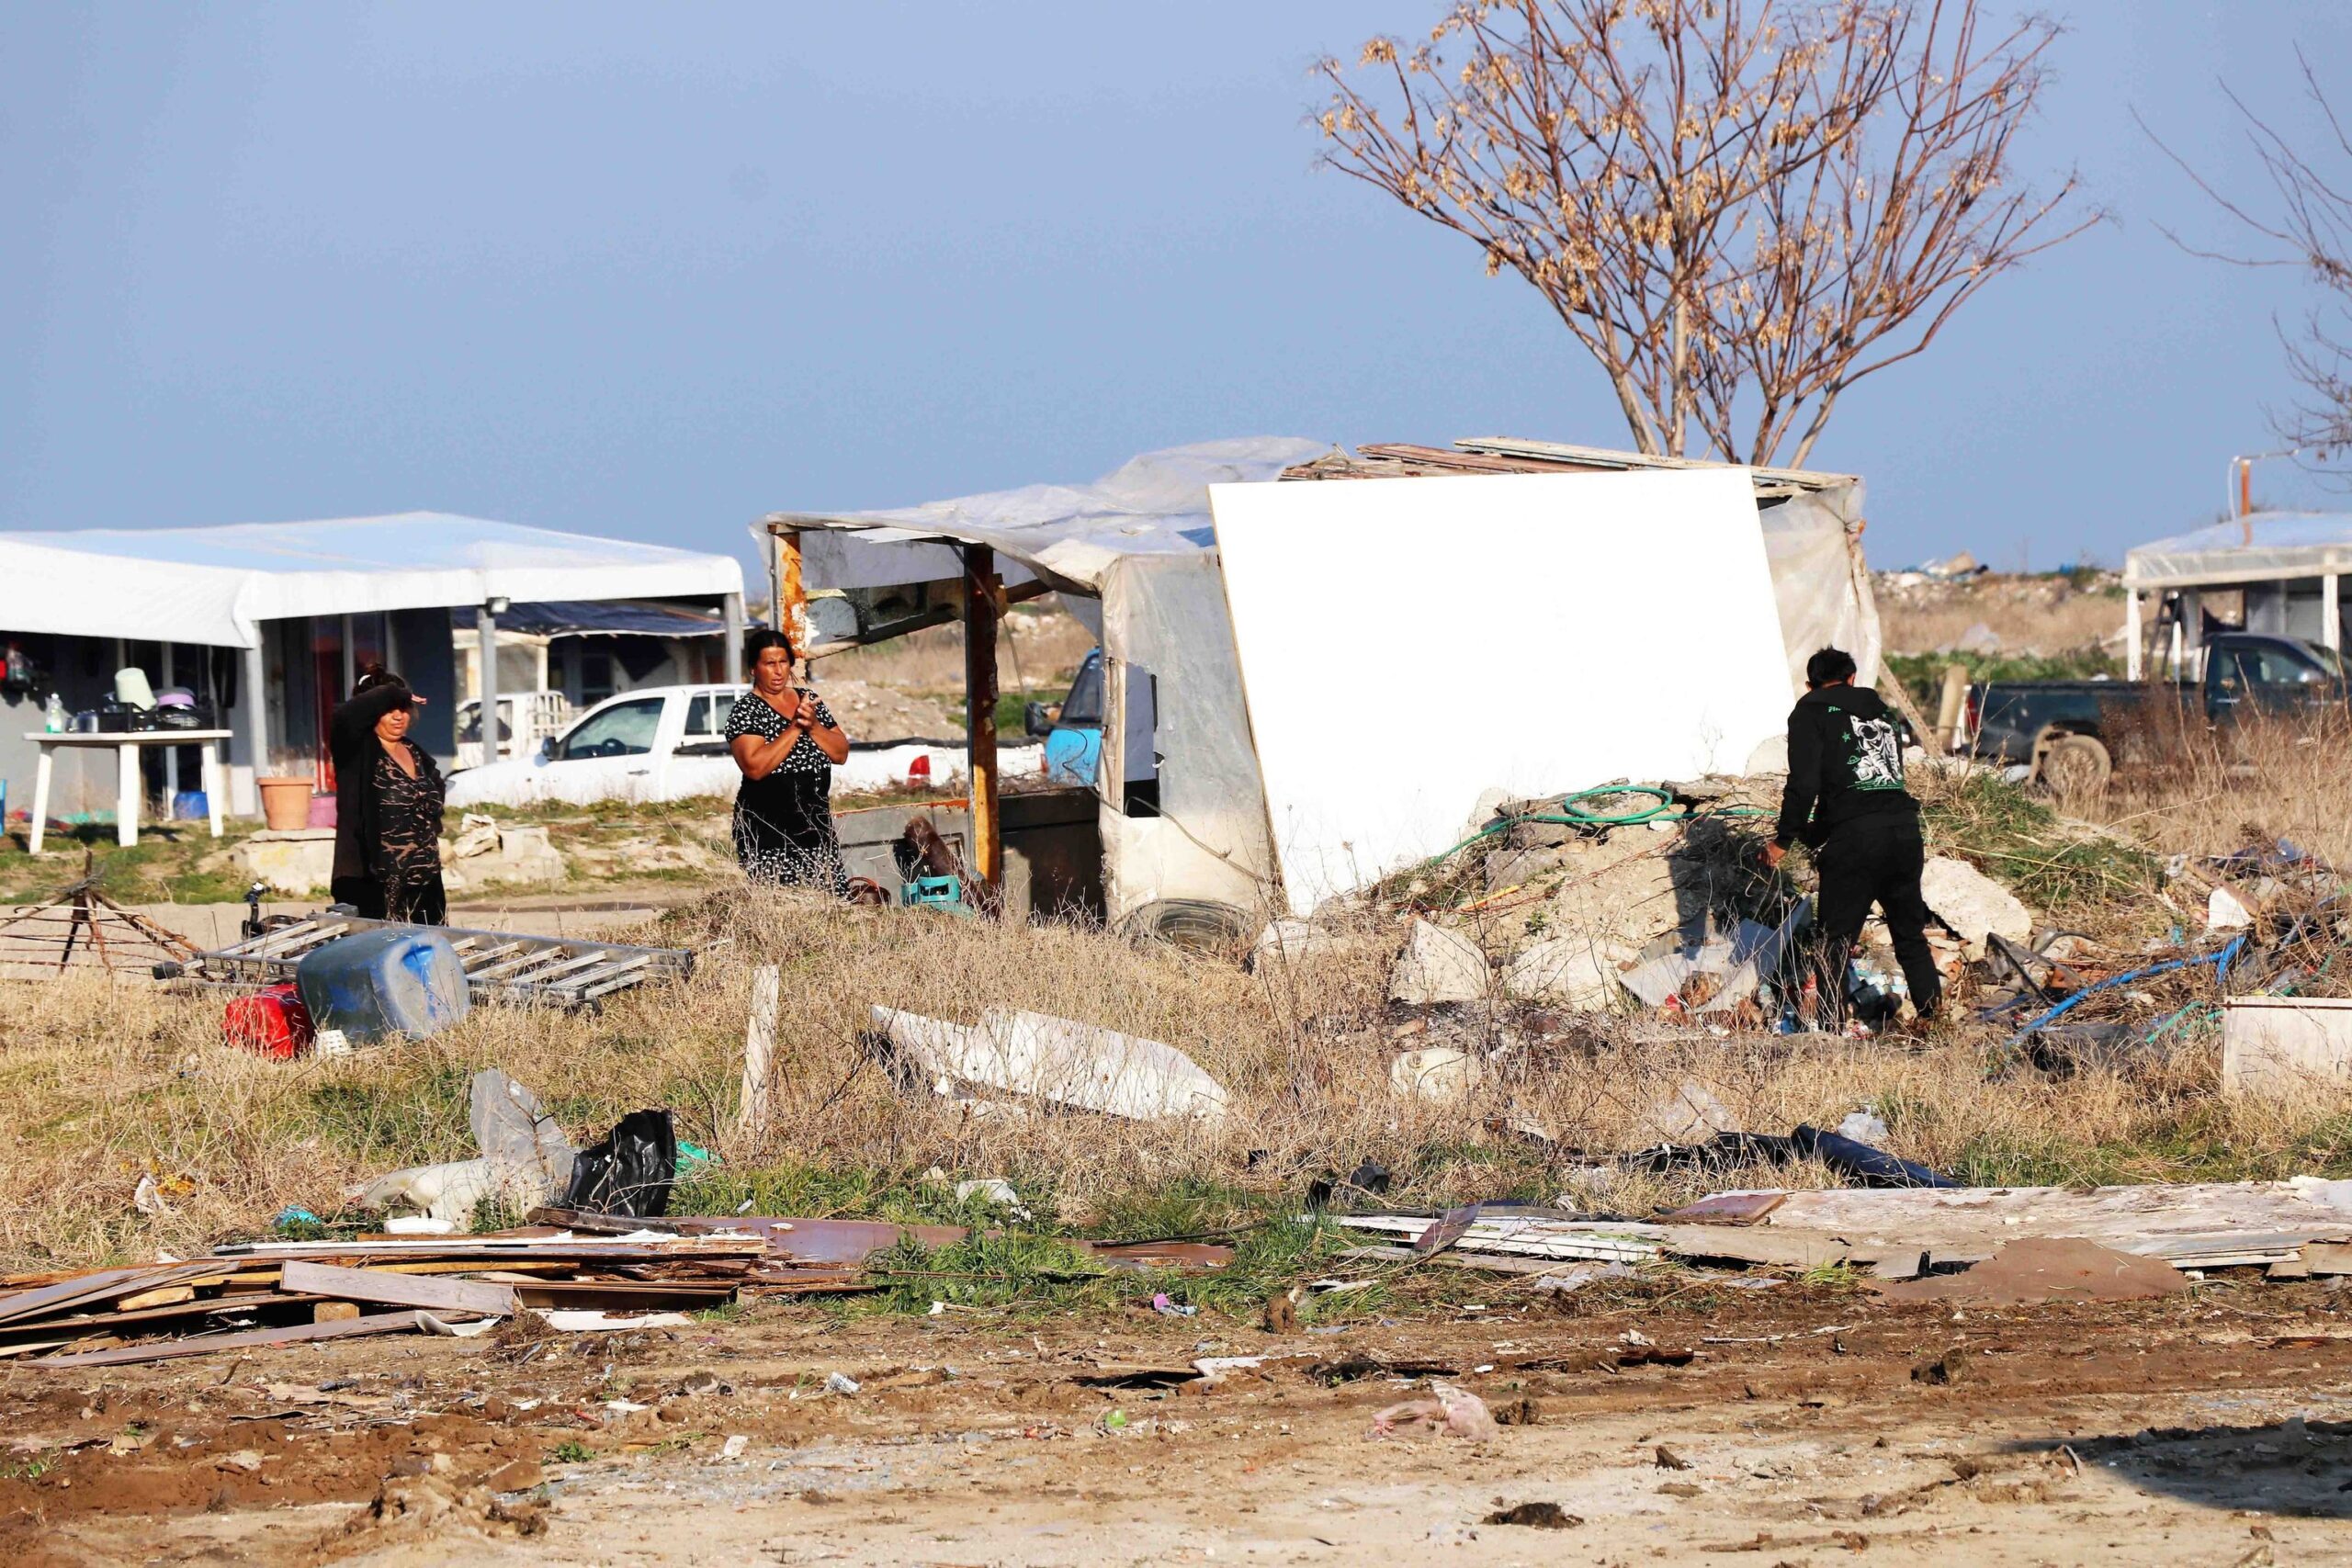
<point x="272" y="1020"/>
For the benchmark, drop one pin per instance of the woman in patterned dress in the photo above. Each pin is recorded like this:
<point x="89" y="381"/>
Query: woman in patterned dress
<point x="388" y="807"/>
<point x="785" y="741"/>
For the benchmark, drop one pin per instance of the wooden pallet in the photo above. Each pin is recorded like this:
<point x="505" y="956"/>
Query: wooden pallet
<point x="500" y="966"/>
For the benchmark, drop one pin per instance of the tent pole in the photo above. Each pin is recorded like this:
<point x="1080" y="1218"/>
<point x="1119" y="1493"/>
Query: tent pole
<point x="980" y="711"/>
<point x="732" y="617"/>
<point x="256" y="706"/>
<point x="486" y="678"/>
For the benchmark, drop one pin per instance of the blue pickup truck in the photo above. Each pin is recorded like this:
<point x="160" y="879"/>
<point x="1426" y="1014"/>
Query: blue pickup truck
<point x="2073" y="733"/>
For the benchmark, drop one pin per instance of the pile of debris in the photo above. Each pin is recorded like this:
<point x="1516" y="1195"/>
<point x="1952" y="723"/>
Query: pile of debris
<point x="2141" y="1240"/>
<point x="1654" y="899"/>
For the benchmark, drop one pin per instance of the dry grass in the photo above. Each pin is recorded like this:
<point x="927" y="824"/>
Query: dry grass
<point x="104" y="1086"/>
<point x="2047" y="615"/>
<point x="2185" y="787"/>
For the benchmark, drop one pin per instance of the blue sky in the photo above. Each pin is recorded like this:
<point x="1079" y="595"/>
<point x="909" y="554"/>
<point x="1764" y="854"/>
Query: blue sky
<point x="652" y="271"/>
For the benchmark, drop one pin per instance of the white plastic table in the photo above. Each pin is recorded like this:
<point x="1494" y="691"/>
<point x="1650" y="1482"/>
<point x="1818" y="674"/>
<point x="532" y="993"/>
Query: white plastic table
<point x="129" y="790"/>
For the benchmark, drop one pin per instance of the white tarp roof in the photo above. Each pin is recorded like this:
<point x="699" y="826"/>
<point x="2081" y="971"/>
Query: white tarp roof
<point x="1153" y="505"/>
<point x="212" y="585"/>
<point x="2282" y="543"/>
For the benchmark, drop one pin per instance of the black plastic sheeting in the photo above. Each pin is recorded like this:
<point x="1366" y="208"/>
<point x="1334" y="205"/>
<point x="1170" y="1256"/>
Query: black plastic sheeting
<point x="1859" y="1163"/>
<point x="629" y="1172"/>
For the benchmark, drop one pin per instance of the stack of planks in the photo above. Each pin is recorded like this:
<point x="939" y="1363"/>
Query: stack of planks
<point x="287" y="1293"/>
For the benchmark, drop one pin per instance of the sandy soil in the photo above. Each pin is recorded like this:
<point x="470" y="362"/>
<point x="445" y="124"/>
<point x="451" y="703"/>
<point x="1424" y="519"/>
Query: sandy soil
<point x="1809" y="1428"/>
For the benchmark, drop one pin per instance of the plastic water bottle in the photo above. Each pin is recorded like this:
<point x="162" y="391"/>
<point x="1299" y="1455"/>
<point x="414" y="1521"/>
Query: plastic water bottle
<point x="56" y="714"/>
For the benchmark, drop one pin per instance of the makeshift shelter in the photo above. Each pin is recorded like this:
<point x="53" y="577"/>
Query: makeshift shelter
<point x="266" y="623"/>
<point x="1135" y="556"/>
<point x="2292" y="568"/>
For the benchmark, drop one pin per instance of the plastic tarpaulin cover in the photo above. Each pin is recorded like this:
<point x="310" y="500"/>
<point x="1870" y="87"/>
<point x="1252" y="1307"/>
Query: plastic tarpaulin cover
<point x="1610" y="626"/>
<point x="1166" y="616"/>
<point x="1819" y="582"/>
<point x="1152" y="504"/>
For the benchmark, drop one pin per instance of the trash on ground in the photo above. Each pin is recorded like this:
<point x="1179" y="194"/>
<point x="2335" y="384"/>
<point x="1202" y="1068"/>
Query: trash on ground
<point x="525" y="1160"/>
<point x="1436" y="1073"/>
<point x="499" y="967"/>
<point x="1454" y="1410"/>
<point x="630" y="1172"/>
<point x="993" y="1190"/>
<point x="1534" y="1515"/>
<point x="394" y="982"/>
<point x="1034" y="1055"/>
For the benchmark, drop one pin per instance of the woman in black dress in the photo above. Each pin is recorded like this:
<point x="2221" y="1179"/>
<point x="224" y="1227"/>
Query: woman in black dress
<point x="785" y="741"/>
<point x="388" y="798"/>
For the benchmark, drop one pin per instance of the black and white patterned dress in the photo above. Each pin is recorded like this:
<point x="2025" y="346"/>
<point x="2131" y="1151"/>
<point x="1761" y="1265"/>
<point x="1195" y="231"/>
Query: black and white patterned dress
<point x="784" y="823"/>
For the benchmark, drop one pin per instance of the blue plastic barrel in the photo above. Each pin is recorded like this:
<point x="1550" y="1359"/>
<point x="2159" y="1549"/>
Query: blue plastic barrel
<point x="379" y="985"/>
<point x="191" y="805"/>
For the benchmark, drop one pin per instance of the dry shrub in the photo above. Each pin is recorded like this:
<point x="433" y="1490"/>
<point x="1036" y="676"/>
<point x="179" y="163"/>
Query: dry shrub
<point x="2188" y="787"/>
<point x="106" y="1083"/>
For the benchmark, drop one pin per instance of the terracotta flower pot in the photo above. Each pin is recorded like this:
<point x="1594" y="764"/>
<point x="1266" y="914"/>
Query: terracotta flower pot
<point x="285" y="803"/>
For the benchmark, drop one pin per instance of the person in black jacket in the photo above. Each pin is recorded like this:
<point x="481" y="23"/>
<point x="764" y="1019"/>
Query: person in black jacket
<point x="388" y="800"/>
<point x="1845" y="801"/>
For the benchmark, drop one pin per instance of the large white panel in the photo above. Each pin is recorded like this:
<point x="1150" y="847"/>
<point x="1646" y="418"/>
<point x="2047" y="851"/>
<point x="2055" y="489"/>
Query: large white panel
<point x="1408" y="644"/>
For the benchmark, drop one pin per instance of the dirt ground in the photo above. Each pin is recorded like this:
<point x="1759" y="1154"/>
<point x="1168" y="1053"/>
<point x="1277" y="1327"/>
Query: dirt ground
<point x="1810" y="1426"/>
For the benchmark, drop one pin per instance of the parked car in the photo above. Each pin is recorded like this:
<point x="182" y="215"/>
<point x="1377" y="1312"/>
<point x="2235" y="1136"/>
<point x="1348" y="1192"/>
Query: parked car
<point x="525" y="718"/>
<point x="670" y="743"/>
<point x="2072" y="733"/>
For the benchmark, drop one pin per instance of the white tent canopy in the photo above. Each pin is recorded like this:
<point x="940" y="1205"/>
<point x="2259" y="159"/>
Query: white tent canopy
<point x="2263" y="546"/>
<point x="214" y="585"/>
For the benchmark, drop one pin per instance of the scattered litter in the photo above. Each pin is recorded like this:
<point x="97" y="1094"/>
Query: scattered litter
<point x="735" y="1446"/>
<point x="1583" y="1274"/>
<point x="630" y="1172"/>
<point x="1053" y="1058"/>
<point x="388" y="983"/>
<point x="840" y="1382"/>
<point x="1437" y="1073"/>
<point x="581" y="1321"/>
<point x="1862" y="1126"/>
<point x="525" y="1159"/>
<point x="2223" y="912"/>
<point x="1454" y="1410"/>
<point x="1166" y="1308"/>
<point x="418" y="1225"/>
<point x="993" y="1190"/>
<point x="148" y="1197"/>
<point x="1534" y="1515"/>
<point x="1690" y="1112"/>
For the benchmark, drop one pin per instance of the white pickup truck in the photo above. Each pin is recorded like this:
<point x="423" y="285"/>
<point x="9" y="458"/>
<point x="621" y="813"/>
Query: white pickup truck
<point x="670" y="743"/>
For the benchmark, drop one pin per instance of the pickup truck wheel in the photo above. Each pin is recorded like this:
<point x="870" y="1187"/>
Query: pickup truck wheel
<point x="2077" y="767"/>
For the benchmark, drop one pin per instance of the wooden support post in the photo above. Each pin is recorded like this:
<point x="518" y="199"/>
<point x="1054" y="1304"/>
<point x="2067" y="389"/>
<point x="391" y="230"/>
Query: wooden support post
<point x="980" y="711"/>
<point x="790" y="612"/>
<point x="759" y="1052"/>
<point x="1952" y="708"/>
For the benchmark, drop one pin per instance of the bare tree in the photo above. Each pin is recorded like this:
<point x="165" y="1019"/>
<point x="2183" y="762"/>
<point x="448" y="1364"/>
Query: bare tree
<point x="1740" y="207"/>
<point x="2311" y="233"/>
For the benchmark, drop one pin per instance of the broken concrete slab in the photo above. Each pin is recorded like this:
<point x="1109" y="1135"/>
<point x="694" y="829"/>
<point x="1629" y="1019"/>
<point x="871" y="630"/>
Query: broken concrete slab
<point x="1578" y="971"/>
<point x="1437" y="966"/>
<point x="2282" y="1044"/>
<point x="2036" y="1269"/>
<point x="1973" y="904"/>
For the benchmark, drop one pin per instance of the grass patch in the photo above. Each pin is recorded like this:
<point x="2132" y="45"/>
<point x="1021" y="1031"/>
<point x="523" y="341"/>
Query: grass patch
<point x="2019" y="841"/>
<point x="1922" y="674"/>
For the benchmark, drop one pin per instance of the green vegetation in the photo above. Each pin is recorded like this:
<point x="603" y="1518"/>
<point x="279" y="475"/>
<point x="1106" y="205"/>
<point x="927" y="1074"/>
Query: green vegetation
<point x="571" y="1450"/>
<point x="1922" y="674"/>
<point x="2020" y="841"/>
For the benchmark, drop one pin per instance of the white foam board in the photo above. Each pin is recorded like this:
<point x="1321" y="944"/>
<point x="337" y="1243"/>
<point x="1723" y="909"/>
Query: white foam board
<point x="1407" y="645"/>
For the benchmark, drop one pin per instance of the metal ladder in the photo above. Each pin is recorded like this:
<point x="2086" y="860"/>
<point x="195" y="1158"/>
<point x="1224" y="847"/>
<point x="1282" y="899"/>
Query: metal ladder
<point x="500" y="966"/>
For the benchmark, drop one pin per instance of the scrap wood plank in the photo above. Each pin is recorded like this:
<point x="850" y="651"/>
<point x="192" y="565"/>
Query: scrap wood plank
<point x="2155" y="1220"/>
<point x="595" y="1250"/>
<point x="438" y="1293"/>
<point x="205" y="1343"/>
<point x="98" y="1286"/>
<point x="1614" y="1243"/>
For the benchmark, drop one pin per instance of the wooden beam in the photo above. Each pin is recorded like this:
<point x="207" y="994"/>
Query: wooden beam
<point x="980" y="710"/>
<point x="791" y="609"/>
<point x="399" y="1290"/>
